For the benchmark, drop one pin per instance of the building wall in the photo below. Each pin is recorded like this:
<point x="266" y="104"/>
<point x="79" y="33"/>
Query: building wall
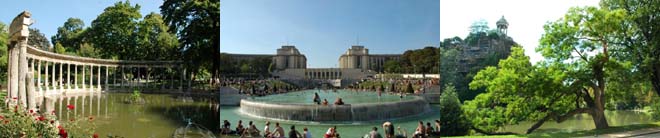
<point x="358" y="57"/>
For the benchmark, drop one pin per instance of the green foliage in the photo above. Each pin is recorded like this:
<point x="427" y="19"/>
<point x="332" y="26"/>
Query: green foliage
<point x="18" y="122"/>
<point x="391" y="66"/>
<point x="3" y="53"/>
<point x="59" y="48"/>
<point x="70" y="34"/>
<point x="112" y="32"/>
<point x="87" y="50"/>
<point x="423" y="60"/>
<point x="452" y="119"/>
<point x="37" y="39"/>
<point x="197" y="25"/>
<point x="409" y="88"/>
<point x="154" y="40"/>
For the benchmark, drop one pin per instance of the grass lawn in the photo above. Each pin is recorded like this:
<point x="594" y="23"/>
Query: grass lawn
<point x="615" y="129"/>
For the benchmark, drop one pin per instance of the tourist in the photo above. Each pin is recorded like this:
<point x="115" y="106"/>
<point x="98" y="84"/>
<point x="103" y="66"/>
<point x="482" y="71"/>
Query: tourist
<point x="279" y="131"/>
<point x="251" y="131"/>
<point x="339" y="102"/>
<point x="325" y="101"/>
<point x="306" y="134"/>
<point x="239" y="128"/>
<point x="437" y="126"/>
<point x="374" y="133"/>
<point x="225" y="127"/>
<point x="293" y="133"/>
<point x="389" y="129"/>
<point x="328" y="134"/>
<point x="335" y="134"/>
<point x="267" y="129"/>
<point x="317" y="99"/>
<point x="419" y="132"/>
<point x="429" y="129"/>
<point x="402" y="133"/>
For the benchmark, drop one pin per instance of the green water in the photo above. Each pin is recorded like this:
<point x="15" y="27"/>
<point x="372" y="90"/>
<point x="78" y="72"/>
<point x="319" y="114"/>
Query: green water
<point x="349" y="97"/>
<point x="159" y="117"/>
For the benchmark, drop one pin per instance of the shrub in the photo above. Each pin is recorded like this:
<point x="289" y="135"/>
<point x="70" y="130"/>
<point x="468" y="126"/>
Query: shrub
<point x="452" y="120"/>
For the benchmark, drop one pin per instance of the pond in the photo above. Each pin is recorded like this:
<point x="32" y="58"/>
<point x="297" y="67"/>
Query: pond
<point x="159" y="117"/>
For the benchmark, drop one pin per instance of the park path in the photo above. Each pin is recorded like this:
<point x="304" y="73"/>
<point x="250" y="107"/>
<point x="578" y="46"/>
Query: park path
<point x="642" y="133"/>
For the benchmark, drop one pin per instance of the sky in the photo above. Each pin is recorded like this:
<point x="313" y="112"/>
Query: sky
<point x="50" y="14"/>
<point x="525" y="17"/>
<point x="323" y="30"/>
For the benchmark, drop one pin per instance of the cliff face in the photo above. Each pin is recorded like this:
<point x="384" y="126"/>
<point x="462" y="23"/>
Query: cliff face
<point x="462" y="59"/>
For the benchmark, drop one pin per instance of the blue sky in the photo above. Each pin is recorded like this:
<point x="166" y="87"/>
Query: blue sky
<point x="50" y="14"/>
<point x="323" y="30"/>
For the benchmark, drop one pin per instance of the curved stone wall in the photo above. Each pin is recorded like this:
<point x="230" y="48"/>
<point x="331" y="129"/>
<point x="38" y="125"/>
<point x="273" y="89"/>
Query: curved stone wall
<point x="349" y="112"/>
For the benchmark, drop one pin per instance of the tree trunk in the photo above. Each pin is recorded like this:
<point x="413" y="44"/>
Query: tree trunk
<point x="598" y="116"/>
<point x="655" y="78"/>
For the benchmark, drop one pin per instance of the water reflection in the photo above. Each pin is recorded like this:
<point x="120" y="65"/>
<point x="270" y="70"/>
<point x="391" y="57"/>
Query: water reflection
<point x="159" y="117"/>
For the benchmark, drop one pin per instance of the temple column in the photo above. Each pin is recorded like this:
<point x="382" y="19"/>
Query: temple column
<point x="98" y="78"/>
<point x="68" y="76"/>
<point x="122" y="78"/>
<point x="106" y="78"/>
<point x="138" y="78"/>
<point x="91" y="79"/>
<point x="172" y="79"/>
<point x="46" y="75"/>
<point x="39" y="76"/>
<point x="61" y="80"/>
<point x="53" y="83"/>
<point x="183" y="75"/>
<point x="83" y="77"/>
<point x="162" y="79"/>
<point x="75" y="76"/>
<point x="31" y="96"/>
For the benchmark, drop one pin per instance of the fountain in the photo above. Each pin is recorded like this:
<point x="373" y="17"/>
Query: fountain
<point x="361" y="106"/>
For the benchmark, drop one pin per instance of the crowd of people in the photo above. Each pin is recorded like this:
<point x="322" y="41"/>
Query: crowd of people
<point x="318" y="101"/>
<point x="257" y="87"/>
<point x="422" y="131"/>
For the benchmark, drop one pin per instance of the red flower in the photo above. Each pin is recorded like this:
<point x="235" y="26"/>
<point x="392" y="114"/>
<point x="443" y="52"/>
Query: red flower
<point x="31" y="111"/>
<point x="70" y="107"/>
<point x="95" y="135"/>
<point x="91" y="118"/>
<point x="6" y="121"/>
<point x="15" y="98"/>
<point x="41" y="118"/>
<point x="63" y="133"/>
<point x="51" y="121"/>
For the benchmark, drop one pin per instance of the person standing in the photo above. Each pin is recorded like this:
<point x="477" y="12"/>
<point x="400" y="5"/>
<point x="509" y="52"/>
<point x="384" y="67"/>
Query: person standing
<point x="293" y="133"/>
<point x="317" y="99"/>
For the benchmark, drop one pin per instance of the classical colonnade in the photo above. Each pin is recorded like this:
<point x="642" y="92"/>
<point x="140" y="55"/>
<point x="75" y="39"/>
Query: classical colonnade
<point x="36" y="76"/>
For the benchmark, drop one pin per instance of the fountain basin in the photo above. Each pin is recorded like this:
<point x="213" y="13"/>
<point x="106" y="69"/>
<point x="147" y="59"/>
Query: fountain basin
<point x="375" y="111"/>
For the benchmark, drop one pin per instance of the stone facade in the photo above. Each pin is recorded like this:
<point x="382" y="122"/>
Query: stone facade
<point x="288" y="57"/>
<point x="358" y="57"/>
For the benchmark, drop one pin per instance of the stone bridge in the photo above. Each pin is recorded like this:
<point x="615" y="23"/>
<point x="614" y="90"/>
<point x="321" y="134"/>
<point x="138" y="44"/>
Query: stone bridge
<point x="38" y="78"/>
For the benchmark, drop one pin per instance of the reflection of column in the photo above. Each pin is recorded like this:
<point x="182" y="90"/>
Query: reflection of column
<point x="91" y="102"/>
<point x="59" y="113"/>
<point x="82" y="105"/>
<point x="75" y="102"/>
<point x="98" y="105"/>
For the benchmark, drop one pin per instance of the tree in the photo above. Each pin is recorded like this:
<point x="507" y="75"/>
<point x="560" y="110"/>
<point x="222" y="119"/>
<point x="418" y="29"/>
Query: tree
<point x="59" y="48"/>
<point x="37" y="39"/>
<point x="70" y="34"/>
<point x="3" y="52"/>
<point x="452" y="119"/>
<point x="638" y="38"/>
<point x="197" y="25"/>
<point x="154" y="42"/>
<point x="88" y="50"/>
<point x="392" y="66"/>
<point x="112" y="32"/>
<point x="409" y="88"/>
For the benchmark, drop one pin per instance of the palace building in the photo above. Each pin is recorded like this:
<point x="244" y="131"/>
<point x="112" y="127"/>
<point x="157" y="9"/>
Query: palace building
<point x="358" y="57"/>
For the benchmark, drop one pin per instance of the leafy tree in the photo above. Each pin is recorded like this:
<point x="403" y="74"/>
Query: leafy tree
<point x="153" y="39"/>
<point x="3" y="52"/>
<point x="70" y="34"/>
<point x="37" y="39"/>
<point x="409" y="88"/>
<point x="112" y="32"/>
<point x="638" y="40"/>
<point x="452" y="119"/>
<point x="392" y="66"/>
<point x="197" y="25"/>
<point x="59" y="48"/>
<point x="88" y="50"/>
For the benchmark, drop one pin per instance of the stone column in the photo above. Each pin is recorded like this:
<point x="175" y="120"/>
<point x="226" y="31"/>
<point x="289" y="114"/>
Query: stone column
<point x="162" y="79"/>
<point x="30" y="90"/>
<point x="147" y="77"/>
<point x="83" y="77"/>
<point x="172" y="80"/>
<point x="138" y="78"/>
<point x="61" y="80"/>
<point x="183" y="75"/>
<point x="106" y="78"/>
<point x="46" y="79"/>
<point x="75" y="76"/>
<point x="39" y="76"/>
<point x="98" y="78"/>
<point x="130" y="82"/>
<point x="68" y="76"/>
<point x="91" y="79"/>
<point x="52" y="82"/>
<point x="122" y="77"/>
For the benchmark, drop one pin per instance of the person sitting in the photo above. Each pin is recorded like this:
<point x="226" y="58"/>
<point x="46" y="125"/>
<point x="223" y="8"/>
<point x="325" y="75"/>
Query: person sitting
<point x="279" y="131"/>
<point x="225" y="127"/>
<point x="306" y="134"/>
<point x="267" y="129"/>
<point x="293" y="133"/>
<point x="429" y="129"/>
<point x="419" y="131"/>
<point x="325" y="102"/>
<point x="251" y="130"/>
<point x="239" y="127"/>
<point x="437" y="126"/>
<point x="389" y="129"/>
<point x="317" y="99"/>
<point x="374" y="133"/>
<point x="402" y="133"/>
<point x="339" y="102"/>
